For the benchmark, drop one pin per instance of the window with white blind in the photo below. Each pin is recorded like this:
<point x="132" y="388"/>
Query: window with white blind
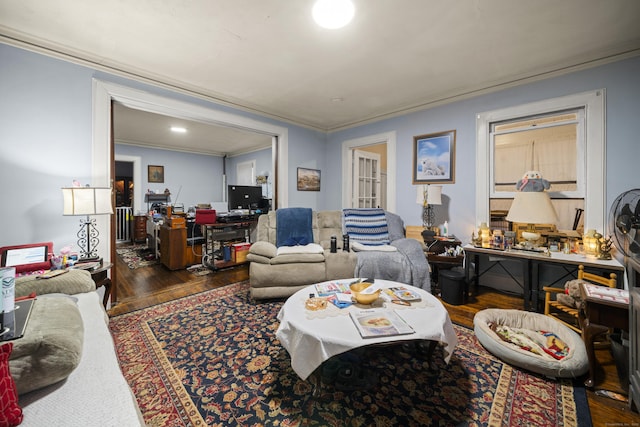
<point x="562" y="138"/>
<point x="550" y="144"/>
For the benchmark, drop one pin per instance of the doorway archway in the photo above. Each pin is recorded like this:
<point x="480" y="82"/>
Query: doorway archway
<point x="103" y="161"/>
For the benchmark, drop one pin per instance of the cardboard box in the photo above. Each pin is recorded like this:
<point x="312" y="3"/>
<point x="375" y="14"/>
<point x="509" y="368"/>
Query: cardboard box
<point x="239" y="252"/>
<point x="177" y="222"/>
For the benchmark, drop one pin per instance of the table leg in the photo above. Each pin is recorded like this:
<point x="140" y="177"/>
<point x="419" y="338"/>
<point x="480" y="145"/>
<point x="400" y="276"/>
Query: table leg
<point x="435" y="281"/>
<point x="528" y="292"/>
<point x="316" y="383"/>
<point x="590" y="331"/>
<point x="535" y="285"/>
<point x="427" y="348"/>
<point x="476" y="269"/>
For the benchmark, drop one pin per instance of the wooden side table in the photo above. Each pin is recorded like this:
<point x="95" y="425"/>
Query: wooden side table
<point x="437" y="261"/>
<point x="604" y="308"/>
<point x="100" y="277"/>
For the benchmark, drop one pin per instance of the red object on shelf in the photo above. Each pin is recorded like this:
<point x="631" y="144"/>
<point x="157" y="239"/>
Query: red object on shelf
<point x="205" y="216"/>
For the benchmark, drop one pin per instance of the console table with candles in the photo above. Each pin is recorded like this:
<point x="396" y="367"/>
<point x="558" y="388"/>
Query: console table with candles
<point x="534" y="265"/>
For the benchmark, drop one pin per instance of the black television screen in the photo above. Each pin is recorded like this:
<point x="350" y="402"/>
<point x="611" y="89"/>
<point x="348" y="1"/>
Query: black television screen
<point x="244" y="197"/>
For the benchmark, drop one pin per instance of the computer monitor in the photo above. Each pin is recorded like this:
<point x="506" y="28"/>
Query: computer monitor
<point x="244" y="197"/>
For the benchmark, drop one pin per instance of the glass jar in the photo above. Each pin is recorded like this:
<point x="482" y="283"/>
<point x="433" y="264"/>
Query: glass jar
<point x="509" y="239"/>
<point x="498" y="241"/>
<point x="485" y="235"/>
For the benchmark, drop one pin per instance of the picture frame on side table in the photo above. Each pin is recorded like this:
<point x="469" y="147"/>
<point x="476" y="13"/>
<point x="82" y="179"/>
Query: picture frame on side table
<point x="155" y="173"/>
<point x="308" y="179"/>
<point x="434" y="157"/>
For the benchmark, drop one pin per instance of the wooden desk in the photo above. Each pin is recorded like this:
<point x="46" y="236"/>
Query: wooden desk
<point x="220" y="234"/>
<point x="604" y="308"/>
<point x="173" y="246"/>
<point x="532" y="263"/>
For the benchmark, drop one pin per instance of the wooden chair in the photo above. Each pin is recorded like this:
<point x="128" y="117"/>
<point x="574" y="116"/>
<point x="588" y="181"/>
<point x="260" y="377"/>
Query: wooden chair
<point x="570" y="315"/>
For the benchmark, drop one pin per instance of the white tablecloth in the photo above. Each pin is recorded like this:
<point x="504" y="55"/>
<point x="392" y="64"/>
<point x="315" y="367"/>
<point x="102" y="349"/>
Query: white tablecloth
<point x="311" y="337"/>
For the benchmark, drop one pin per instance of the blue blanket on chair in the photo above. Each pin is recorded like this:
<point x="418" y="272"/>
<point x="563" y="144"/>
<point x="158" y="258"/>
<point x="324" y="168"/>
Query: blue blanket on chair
<point x="294" y="226"/>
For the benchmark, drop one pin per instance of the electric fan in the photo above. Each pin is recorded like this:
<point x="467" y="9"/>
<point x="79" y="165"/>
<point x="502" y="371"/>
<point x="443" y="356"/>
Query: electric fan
<point x="624" y="223"/>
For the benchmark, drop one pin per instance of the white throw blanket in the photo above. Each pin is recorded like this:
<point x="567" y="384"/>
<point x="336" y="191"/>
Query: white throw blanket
<point x="95" y="393"/>
<point x="311" y="248"/>
<point x="357" y="247"/>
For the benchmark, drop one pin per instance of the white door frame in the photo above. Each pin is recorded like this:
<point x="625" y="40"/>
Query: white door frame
<point x="105" y="92"/>
<point x="358" y="154"/>
<point x="388" y="138"/>
<point x="137" y="178"/>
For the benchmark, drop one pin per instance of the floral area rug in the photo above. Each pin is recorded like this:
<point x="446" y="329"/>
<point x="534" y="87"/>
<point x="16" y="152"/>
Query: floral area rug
<point x="213" y="359"/>
<point x="137" y="256"/>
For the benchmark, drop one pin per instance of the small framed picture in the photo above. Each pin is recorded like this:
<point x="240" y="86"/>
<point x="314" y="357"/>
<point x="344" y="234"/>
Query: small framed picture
<point x="308" y="179"/>
<point x="156" y="173"/>
<point x="434" y="158"/>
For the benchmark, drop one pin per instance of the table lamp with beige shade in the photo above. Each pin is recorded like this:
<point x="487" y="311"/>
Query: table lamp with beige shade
<point x="532" y="208"/>
<point x="428" y="196"/>
<point x="87" y="202"/>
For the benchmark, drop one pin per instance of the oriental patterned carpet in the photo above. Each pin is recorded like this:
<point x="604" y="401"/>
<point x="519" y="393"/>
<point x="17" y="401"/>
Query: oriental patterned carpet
<point x="213" y="359"/>
<point x="136" y="256"/>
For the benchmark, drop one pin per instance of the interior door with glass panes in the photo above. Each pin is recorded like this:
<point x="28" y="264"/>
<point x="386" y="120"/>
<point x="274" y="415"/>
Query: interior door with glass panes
<point x="366" y="179"/>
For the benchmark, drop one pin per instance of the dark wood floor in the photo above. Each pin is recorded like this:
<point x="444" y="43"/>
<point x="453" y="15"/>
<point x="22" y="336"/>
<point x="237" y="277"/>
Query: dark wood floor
<point x="155" y="284"/>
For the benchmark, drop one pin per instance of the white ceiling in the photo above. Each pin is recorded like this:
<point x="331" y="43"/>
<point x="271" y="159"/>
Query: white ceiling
<point x="269" y="57"/>
<point x="141" y="128"/>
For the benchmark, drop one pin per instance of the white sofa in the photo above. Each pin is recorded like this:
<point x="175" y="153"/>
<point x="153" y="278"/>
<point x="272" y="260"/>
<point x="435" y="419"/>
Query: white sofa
<point x="95" y="393"/>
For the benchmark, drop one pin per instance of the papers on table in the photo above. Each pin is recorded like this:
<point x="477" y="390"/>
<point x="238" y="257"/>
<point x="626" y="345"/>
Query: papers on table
<point x="379" y="323"/>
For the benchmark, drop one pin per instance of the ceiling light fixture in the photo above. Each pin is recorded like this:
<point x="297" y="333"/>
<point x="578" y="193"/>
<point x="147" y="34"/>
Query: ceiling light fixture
<point x="178" y="129"/>
<point x="333" y="14"/>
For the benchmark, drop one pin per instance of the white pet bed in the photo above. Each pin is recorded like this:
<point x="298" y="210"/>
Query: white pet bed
<point x="573" y="365"/>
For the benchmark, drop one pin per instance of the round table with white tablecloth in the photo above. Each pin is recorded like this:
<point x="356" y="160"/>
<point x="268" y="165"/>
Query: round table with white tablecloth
<point x="312" y="337"/>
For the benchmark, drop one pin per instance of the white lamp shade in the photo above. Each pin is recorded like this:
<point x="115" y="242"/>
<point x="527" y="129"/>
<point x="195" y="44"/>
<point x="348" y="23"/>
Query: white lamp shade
<point x="433" y="194"/>
<point x="87" y="201"/>
<point x="532" y="208"/>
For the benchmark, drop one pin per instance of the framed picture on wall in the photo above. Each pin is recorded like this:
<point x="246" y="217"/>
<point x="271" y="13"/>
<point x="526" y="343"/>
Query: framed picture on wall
<point x="434" y="158"/>
<point x="156" y="173"/>
<point x="308" y="179"/>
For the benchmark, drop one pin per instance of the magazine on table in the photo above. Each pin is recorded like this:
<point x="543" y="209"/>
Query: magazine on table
<point x="330" y="288"/>
<point x="381" y="322"/>
<point x="405" y="294"/>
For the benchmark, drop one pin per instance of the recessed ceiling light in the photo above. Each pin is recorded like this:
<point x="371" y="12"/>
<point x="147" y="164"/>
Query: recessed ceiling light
<point x="178" y="129"/>
<point x="333" y="14"/>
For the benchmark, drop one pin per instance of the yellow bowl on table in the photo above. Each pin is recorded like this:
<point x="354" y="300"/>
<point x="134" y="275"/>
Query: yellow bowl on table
<point x="366" y="299"/>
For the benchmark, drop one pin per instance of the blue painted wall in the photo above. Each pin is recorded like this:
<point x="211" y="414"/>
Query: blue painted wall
<point x="191" y="178"/>
<point x="46" y="132"/>
<point x="46" y="142"/>
<point x="621" y="80"/>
